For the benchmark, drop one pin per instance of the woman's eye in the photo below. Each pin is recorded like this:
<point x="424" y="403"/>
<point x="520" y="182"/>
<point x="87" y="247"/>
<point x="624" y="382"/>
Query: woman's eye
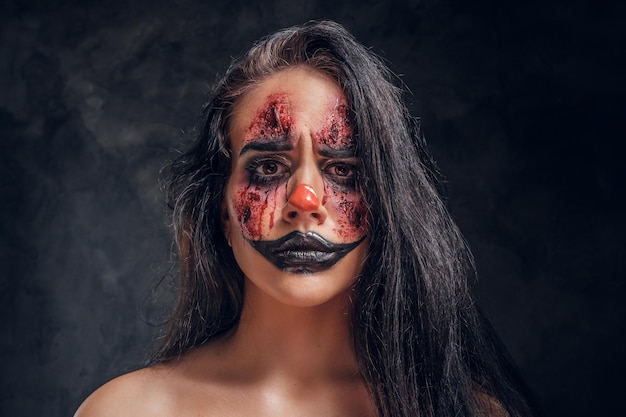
<point x="340" y="170"/>
<point x="269" y="168"/>
<point x="265" y="171"/>
<point x="342" y="174"/>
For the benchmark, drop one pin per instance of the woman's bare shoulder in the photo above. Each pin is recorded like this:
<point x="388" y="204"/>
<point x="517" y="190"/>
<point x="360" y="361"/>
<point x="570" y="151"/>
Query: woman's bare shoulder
<point x="185" y="385"/>
<point x="145" y="392"/>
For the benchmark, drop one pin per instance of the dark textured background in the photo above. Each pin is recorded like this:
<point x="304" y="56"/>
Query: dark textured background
<point x="521" y="103"/>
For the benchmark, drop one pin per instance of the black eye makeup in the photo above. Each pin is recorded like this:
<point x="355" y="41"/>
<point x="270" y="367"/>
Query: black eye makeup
<point x="342" y="174"/>
<point x="267" y="170"/>
<point x="270" y="168"/>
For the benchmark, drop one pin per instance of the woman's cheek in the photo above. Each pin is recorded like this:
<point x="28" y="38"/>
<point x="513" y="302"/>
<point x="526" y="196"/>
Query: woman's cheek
<point x="351" y="214"/>
<point x="255" y="208"/>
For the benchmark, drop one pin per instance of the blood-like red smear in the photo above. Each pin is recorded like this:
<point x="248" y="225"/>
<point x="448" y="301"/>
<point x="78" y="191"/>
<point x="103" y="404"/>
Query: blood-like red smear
<point x="350" y="209"/>
<point x="249" y="206"/>
<point x="337" y="132"/>
<point x="351" y="214"/>
<point x="256" y="205"/>
<point x="272" y="120"/>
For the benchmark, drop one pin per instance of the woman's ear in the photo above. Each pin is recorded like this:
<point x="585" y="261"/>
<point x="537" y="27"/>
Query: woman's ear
<point x="225" y="220"/>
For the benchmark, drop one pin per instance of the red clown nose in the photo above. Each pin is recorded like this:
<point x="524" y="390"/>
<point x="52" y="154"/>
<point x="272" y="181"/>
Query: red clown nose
<point x="304" y="198"/>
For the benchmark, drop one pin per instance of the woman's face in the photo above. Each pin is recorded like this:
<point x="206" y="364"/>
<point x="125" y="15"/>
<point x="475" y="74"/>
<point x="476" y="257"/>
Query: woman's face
<point x="292" y="213"/>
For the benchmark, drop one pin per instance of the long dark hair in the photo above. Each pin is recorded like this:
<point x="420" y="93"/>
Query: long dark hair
<point x="422" y="344"/>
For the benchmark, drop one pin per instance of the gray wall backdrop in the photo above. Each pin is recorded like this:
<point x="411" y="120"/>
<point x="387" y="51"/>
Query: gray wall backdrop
<point x="521" y="103"/>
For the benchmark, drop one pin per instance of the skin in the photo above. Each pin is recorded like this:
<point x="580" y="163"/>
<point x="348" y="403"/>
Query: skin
<point x="292" y="352"/>
<point x="305" y="111"/>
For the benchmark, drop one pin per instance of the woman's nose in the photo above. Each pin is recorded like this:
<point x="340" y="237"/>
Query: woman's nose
<point x="304" y="205"/>
<point x="304" y="198"/>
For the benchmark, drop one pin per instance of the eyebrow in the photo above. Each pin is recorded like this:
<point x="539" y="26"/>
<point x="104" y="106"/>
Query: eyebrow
<point x="328" y="152"/>
<point x="280" y="145"/>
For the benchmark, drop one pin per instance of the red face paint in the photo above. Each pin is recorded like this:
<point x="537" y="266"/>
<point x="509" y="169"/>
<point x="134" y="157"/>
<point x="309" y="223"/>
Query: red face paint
<point x="355" y="212"/>
<point x="288" y="129"/>
<point x="304" y="198"/>
<point x="254" y="202"/>
<point x="351" y="214"/>
<point x="258" y="200"/>
<point x="271" y="121"/>
<point x="337" y="133"/>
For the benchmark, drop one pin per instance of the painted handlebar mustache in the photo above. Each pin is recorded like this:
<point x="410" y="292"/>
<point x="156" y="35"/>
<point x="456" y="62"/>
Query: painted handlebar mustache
<point x="303" y="253"/>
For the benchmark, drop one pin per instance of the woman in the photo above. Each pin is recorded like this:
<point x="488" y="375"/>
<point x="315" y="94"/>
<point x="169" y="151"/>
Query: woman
<point x="320" y="271"/>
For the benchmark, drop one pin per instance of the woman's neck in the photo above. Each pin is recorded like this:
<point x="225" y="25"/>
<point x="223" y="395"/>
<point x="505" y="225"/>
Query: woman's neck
<point x="279" y="360"/>
<point x="275" y="340"/>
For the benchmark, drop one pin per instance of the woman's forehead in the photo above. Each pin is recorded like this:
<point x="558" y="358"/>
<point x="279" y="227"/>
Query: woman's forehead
<point x="292" y="99"/>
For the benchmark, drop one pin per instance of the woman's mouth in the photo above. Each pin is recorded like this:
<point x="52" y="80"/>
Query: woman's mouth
<point x="303" y="253"/>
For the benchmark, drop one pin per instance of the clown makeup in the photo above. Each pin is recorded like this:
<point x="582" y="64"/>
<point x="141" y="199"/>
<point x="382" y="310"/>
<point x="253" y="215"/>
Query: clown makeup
<point x="293" y="190"/>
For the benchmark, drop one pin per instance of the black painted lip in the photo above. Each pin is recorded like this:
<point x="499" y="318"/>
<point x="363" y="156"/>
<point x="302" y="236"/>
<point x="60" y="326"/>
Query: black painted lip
<point x="303" y="253"/>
